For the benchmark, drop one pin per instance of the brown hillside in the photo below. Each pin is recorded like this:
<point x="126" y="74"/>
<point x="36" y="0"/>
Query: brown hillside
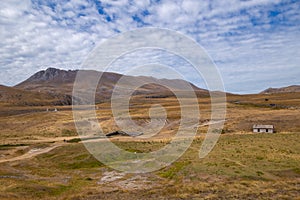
<point x="61" y="82"/>
<point x="32" y="98"/>
<point x="292" y="88"/>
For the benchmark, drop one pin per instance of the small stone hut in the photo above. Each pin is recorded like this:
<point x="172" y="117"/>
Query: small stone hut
<point x="122" y="133"/>
<point x="263" y="129"/>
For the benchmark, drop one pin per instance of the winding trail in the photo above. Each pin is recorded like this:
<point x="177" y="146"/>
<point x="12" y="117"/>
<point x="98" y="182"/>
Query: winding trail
<point x="37" y="151"/>
<point x="32" y="153"/>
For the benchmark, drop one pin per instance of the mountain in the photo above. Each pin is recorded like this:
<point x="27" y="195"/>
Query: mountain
<point x="56" y="81"/>
<point x="292" y="88"/>
<point x="51" y="80"/>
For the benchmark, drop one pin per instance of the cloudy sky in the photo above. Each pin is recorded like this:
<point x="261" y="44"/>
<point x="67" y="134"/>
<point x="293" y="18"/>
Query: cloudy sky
<point x="254" y="43"/>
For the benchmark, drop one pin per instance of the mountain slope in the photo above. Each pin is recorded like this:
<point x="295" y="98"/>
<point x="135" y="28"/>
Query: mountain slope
<point x="50" y="81"/>
<point x="61" y="82"/>
<point x="292" y="88"/>
<point x="22" y="97"/>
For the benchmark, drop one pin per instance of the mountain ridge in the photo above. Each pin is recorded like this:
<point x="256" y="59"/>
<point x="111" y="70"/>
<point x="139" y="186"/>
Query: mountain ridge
<point x="287" y="89"/>
<point x="59" y="83"/>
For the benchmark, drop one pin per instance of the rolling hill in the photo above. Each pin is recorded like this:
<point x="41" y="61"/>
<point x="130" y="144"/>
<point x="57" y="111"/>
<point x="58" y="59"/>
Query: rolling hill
<point x="54" y="86"/>
<point x="56" y="81"/>
<point x="32" y="98"/>
<point x="292" y="88"/>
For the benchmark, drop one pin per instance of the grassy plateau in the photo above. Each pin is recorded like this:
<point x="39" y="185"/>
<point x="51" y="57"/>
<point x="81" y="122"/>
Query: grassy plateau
<point x="42" y="157"/>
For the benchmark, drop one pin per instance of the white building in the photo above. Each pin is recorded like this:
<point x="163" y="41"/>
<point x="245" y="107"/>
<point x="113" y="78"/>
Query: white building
<point x="263" y="129"/>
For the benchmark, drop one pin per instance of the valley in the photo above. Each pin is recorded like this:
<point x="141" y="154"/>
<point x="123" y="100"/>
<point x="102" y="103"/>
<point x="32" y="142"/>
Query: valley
<point x="43" y="157"/>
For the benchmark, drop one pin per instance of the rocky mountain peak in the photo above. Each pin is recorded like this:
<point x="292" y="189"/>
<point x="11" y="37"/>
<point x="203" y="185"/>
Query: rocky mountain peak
<point x="53" y="75"/>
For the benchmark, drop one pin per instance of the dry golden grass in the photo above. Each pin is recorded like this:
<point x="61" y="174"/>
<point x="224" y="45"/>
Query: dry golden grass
<point x="241" y="166"/>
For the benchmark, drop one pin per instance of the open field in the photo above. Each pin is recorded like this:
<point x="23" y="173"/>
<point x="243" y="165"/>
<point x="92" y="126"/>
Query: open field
<point x="36" y="163"/>
<point x="240" y="166"/>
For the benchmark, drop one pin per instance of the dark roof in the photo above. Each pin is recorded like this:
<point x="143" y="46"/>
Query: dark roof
<point x="263" y="126"/>
<point x="122" y="133"/>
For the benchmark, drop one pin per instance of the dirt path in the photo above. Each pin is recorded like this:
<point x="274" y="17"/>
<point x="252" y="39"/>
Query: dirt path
<point x="37" y="151"/>
<point x="32" y="153"/>
<point x="210" y="123"/>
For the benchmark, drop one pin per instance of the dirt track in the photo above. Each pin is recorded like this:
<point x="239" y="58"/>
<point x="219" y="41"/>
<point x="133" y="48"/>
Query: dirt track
<point x="31" y="153"/>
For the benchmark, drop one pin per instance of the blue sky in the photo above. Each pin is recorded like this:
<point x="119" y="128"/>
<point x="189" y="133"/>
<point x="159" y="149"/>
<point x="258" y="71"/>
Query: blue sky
<point x="254" y="43"/>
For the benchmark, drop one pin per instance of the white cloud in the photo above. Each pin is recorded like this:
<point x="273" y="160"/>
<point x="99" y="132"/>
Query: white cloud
<point x="239" y="35"/>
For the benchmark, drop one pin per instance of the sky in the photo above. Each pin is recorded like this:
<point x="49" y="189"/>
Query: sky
<point x="255" y="44"/>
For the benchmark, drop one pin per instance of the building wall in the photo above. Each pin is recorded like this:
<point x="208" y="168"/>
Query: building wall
<point x="263" y="130"/>
<point x="271" y="131"/>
